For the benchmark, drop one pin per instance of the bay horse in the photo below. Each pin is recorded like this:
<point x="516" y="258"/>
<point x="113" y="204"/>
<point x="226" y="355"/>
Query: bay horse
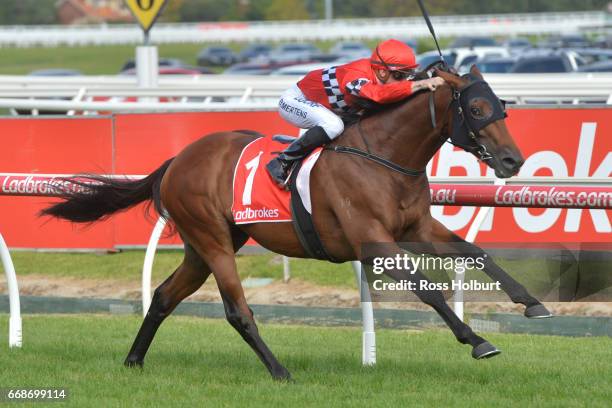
<point x="355" y="200"/>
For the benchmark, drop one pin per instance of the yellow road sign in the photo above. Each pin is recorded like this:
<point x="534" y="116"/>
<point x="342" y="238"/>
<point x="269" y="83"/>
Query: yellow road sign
<point x="146" y="11"/>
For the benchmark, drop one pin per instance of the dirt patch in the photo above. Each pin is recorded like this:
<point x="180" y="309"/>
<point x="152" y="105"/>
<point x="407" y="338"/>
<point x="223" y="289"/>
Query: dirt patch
<point x="295" y="292"/>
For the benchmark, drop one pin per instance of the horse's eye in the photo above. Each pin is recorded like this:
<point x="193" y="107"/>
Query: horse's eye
<point x="476" y="111"/>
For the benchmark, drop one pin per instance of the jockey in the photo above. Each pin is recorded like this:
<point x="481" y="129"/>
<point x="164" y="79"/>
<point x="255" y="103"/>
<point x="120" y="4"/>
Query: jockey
<point x="315" y="102"/>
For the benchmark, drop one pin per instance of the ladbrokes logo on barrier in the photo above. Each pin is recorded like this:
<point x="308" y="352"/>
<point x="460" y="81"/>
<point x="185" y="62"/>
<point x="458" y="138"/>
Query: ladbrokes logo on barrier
<point x="552" y="197"/>
<point x="38" y="186"/>
<point x="251" y="214"/>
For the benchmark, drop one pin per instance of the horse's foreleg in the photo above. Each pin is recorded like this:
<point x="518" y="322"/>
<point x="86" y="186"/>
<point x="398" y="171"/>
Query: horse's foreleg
<point x="187" y="278"/>
<point x="516" y="291"/>
<point x="434" y="298"/>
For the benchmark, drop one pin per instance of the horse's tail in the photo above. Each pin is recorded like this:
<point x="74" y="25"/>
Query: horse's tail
<point x="98" y="197"/>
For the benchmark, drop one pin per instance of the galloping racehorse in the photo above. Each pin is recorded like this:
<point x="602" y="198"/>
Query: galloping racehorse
<point x="379" y="193"/>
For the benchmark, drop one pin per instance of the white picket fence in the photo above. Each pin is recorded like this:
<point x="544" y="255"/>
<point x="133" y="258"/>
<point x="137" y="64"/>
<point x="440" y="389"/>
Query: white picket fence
<point x="311" y="30"/>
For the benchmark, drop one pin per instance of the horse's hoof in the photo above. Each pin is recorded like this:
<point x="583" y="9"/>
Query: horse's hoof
<point x="485" y="350"/>
<point x="538" y="311"/>
<point x="130" y="362"/>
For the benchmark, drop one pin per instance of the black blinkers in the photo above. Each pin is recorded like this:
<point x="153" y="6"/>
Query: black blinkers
<point x="469" y="119"/>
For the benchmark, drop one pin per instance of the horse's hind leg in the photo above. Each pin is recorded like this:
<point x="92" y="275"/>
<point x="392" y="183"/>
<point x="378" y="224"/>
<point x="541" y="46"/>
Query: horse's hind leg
<point x="187" y="278"/>
<point x="214" y="245"/>
<point x="516" y="291"/>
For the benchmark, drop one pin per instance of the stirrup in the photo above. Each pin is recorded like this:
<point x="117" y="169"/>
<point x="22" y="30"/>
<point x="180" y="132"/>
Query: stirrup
<point x="280" y="172"/>
<point x="285" y="184"/>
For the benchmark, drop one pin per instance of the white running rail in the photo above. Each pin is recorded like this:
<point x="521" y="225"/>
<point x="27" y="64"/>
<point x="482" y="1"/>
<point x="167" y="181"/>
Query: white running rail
<point x="13" y="289"/>
<point x="217" y="92"/>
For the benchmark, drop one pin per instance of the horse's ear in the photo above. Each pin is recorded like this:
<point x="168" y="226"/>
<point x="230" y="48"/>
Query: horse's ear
<point x="451" y="79"/>
<point x="476" y="72"/>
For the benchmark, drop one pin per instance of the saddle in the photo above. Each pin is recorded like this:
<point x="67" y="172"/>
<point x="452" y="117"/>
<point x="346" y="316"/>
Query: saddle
<point x="301" y="218"/>
<point x="257" y="197"/>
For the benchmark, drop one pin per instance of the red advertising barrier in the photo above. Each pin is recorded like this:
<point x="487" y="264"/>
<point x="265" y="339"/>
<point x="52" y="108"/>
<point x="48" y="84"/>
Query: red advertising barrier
<point x="555" y="142"/>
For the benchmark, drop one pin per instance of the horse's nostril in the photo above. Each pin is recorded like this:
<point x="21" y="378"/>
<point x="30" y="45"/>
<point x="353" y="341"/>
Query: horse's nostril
<point x="509" y="162"/>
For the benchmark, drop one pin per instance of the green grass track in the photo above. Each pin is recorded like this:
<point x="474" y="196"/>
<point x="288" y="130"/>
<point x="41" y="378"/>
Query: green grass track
<point x="204" y="363"/>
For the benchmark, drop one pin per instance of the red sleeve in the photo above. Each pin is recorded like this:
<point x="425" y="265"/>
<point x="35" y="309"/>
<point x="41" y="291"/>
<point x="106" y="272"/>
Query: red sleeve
<point x="381" y="93"/>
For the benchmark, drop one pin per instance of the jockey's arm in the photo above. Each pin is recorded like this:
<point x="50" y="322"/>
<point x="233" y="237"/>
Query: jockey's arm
<point x="387" y="93"/>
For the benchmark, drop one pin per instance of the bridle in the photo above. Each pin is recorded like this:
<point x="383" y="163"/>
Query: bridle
<point x="466" y="128"/>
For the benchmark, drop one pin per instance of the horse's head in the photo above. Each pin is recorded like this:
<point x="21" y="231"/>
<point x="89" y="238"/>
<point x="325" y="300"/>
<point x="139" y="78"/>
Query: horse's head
<point x="478" y="123"/>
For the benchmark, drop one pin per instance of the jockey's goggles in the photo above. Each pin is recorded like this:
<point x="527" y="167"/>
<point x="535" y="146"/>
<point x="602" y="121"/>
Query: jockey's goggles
<point x="400" y="75"/>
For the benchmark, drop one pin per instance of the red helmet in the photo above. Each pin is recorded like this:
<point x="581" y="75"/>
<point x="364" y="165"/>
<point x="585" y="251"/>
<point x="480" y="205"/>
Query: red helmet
<point x="393" y="55"/>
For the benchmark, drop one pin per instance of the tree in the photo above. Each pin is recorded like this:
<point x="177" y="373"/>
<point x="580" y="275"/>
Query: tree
<point x="172" y="11"/>
<point x="203" y="10"/>
<point x="28" y="12"/>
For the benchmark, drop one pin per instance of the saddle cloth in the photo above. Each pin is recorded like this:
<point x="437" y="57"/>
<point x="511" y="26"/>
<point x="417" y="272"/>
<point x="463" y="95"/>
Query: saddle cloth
<point x="257" y="198"/>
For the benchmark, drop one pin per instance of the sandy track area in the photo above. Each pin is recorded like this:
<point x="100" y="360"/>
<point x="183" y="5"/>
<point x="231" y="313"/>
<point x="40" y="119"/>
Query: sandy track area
<point x="295" y="292"/>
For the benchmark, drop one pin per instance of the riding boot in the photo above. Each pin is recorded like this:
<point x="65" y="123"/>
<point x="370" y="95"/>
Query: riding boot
<point x="279" y="167"/>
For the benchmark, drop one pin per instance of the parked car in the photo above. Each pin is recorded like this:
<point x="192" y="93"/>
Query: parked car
<point x="466" y="57"/>
<point x="565" y="41"/>
<point x="254" y="51"/>
<point x="592" y="55"/>
<point x="162" y="62"/>
<point x="601" y="66"/>
<point x="301" y="69"/>
<point x="470" y="42"/>
<point x="548" y="61"/>
<point x="167" y="63"/>
<point x="294" y="53"/>
<point x="350" y="51"/>
<point x="216" y="56"/>
<point x="461" y="58"/>
<point x="496" y="65"/>
<point x="516" y="45"/>
<point x="250" y="68"/>
<point x="427" y="58"/>
<point x="604" y="41"/>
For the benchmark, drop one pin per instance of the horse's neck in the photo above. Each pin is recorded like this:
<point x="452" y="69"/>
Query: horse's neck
<point x="404" y="134"/>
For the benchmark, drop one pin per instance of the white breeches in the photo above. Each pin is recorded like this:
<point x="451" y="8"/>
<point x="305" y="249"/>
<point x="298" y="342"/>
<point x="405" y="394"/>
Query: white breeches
<point x="299" y="111"/>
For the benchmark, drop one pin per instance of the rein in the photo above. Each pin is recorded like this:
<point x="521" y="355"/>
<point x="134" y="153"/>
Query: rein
<point x="377" y="159"/>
